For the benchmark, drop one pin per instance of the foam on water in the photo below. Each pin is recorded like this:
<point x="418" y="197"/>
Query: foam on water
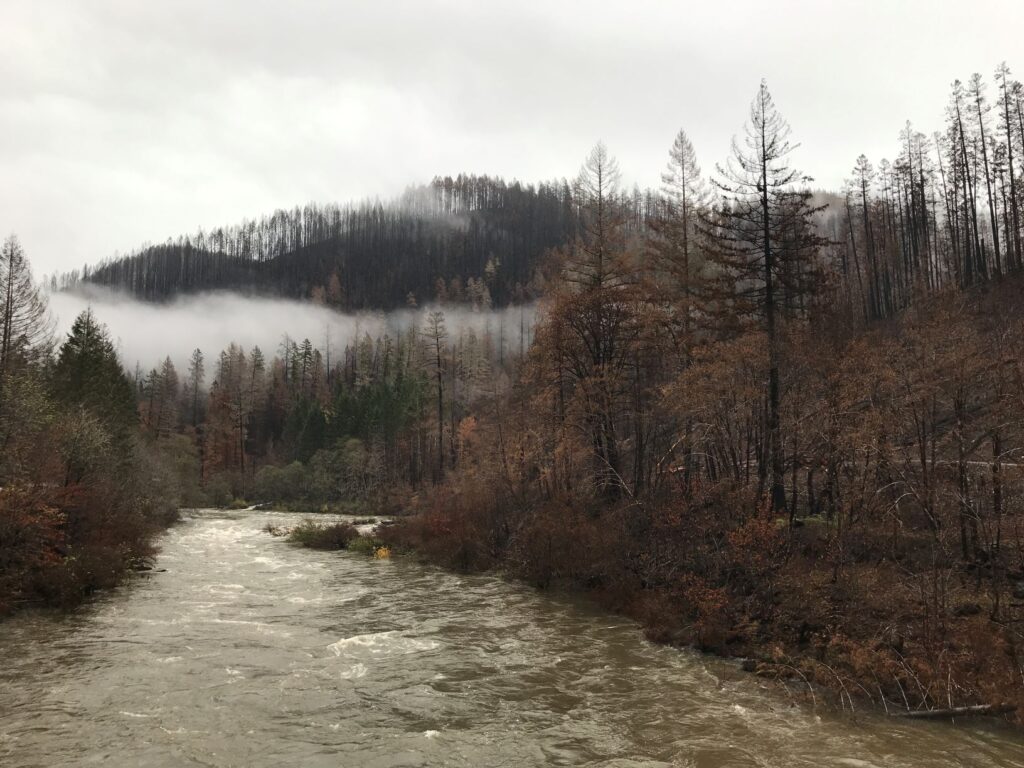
<point x="354" y="672"/>
<point x="381" y="644"/>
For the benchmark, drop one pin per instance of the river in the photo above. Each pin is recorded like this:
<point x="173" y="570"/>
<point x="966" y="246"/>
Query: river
<point x="247" y="651"/>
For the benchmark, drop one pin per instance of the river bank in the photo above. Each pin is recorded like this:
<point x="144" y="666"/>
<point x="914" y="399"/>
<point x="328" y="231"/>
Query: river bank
<point x="60" y="546"/>
<point x="868" y="640"/>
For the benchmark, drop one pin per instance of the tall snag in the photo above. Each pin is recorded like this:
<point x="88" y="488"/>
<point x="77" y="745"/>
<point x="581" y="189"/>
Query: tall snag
<point x="764" y="251"/>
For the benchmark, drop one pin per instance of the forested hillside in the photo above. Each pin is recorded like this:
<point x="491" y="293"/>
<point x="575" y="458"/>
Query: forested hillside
<point x="942" y="211"/>
<point x="463" y="238"/>
<point x="759" y="438"/>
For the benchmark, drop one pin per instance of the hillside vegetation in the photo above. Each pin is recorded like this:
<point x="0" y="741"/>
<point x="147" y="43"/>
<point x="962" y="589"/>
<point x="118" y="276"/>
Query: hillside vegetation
<point x="759" y="425"/>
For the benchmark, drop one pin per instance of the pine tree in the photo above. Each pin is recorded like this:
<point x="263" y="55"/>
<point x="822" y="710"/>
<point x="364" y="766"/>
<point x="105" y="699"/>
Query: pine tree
<point x="88" y="374"/>
<point x="765" y="247"/>
<point x="1006" y="126"/>
<point x="675" y="242"/>
<point x="196" y="376"/>
<point x="981" y="109"/>
<point x="587" y="339"/>
<point x="167" y="418"/>
<point x="435" y="336"/>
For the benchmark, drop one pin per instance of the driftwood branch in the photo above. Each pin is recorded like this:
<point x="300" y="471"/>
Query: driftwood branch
<point x="977" y="710"/>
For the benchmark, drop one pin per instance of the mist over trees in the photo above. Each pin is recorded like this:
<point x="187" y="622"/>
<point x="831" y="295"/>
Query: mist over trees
<point x="464" y="239"/>
<point x="945" y="210"/>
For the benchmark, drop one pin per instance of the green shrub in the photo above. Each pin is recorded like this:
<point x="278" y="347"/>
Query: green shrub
<point x="315" y="536"/>
<point x="218" y="491"/>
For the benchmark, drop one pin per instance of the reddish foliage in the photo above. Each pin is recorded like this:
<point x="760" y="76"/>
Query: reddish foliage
<point x="58" y="544"/>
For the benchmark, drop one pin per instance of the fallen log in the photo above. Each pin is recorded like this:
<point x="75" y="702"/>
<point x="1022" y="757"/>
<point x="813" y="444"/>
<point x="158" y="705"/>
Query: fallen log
<point x="972" y="711"/>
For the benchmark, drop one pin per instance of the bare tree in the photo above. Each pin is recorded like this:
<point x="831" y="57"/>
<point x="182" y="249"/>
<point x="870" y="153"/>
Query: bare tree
<point x="1006" y="95"/>
<point x="435" y="337"/>
<point x="765" y="246"/>
<point x="25" y="326"/>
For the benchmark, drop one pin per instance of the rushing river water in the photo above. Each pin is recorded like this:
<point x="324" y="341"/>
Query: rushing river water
<point x="248" y="651"/>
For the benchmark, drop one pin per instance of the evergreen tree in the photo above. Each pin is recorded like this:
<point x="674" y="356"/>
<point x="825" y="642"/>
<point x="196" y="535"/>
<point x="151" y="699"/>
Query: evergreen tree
<point x="88" y="376"/>
<point x="194" y="384"/>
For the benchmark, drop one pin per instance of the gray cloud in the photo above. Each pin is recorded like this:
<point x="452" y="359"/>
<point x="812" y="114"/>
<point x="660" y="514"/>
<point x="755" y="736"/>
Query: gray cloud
<point x="123" y="122"/>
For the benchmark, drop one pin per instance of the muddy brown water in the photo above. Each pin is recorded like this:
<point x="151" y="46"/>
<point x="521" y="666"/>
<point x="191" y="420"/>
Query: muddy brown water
<point x="249" y="652"/>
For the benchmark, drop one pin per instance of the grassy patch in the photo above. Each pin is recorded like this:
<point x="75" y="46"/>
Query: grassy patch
<point x="364" y="544"/>
<point x="370" y="546"/>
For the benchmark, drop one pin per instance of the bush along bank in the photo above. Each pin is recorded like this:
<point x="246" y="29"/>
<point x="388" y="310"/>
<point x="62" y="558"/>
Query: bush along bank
<point x="84" y="490"/>
<point x="866" y="634"/>
<point x="334" y="536"/>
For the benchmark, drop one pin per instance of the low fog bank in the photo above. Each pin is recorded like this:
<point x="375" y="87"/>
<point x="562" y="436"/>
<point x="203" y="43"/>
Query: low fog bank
<point x="146" y="333"/>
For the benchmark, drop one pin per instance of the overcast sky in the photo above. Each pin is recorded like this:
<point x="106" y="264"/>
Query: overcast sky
<point x="123" y="121"/>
